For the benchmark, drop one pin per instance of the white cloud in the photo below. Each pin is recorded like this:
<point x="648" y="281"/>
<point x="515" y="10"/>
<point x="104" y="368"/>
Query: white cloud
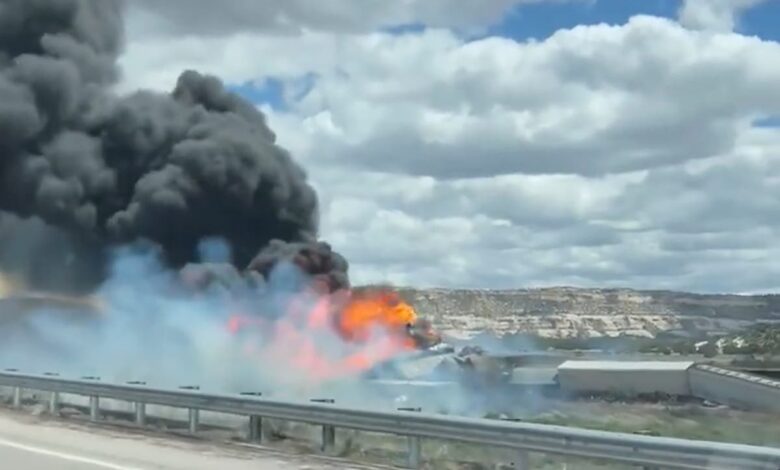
<point x="730" y="194"/>
<point x="717" y="15"/>
<point x="711" y="229"/>
<point x="589" y="101"/>
<point x="603" y="155"/>
<point x="284" y="17"/>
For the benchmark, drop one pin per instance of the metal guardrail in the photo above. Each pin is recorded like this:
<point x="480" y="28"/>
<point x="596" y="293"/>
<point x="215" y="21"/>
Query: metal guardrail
<point x="646" y="451"/>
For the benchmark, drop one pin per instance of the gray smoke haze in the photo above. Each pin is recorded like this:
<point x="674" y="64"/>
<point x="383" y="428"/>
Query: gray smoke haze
<point x="145" y="326"/>
<point x="92" y="170"/>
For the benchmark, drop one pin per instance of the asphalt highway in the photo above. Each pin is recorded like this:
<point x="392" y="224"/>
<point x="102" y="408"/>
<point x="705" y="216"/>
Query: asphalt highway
<point x="31" y="443"/>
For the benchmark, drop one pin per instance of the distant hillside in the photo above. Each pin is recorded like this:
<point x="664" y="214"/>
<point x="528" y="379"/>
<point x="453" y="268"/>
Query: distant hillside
<point x="564" y="312"/>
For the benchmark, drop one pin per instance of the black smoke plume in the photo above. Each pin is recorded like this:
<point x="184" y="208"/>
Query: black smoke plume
<point x="94" y="170"/>
<point x="327" y="268"/>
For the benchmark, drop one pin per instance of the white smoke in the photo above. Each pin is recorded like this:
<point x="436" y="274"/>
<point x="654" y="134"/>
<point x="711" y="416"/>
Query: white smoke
<point x="151" y="328"/>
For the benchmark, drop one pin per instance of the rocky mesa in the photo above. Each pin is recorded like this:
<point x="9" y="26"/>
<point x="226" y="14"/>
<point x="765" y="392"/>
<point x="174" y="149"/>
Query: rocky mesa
<point x="566" y="312"/>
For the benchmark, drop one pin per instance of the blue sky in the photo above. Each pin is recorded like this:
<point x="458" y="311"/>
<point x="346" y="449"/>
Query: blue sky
<point x="762" y="20"/>
<point x="540" y="20"/>
<point x="270" y="92"/>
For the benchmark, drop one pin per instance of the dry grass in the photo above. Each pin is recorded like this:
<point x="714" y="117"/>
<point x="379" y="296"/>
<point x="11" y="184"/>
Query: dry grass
<point x="684" y="420"/>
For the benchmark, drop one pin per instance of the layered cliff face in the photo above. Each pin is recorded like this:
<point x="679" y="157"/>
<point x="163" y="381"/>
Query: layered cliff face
<point x="589" y="313"/>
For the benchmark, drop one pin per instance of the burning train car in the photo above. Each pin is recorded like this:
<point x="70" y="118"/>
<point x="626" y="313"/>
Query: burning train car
<point x="368" y="328"/>
<point x="354" y="314"/>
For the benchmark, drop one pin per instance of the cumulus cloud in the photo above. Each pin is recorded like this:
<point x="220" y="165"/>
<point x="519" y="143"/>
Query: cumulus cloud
<point x="602" y="155"/>
<point x="200" y="17"/>
<point x="717" y="15"/>
<point x="734" y="194"/>
<point x="592" y="100"/>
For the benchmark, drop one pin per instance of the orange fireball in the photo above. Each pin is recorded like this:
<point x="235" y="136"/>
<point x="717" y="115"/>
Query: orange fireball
<point x="364" y="313"/>
<point x="373" y="326"/>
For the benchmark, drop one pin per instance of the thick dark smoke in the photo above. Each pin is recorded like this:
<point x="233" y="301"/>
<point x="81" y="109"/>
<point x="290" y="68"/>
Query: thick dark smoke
<point x="95" y="170"/>
<point x="46" y="257"/>
<point x="328" y="268"/>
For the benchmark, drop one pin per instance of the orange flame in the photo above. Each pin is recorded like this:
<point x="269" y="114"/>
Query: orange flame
<point x="366" y="312"/>
<point x="369" y="328"/>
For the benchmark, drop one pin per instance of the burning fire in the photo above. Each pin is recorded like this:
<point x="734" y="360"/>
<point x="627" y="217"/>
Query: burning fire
<point x="316" y="336"/>
<point x="365" y="312"/>
<point x="331" y="336"/>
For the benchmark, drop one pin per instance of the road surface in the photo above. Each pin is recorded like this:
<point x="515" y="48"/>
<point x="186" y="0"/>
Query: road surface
<point x="34" y="443"/>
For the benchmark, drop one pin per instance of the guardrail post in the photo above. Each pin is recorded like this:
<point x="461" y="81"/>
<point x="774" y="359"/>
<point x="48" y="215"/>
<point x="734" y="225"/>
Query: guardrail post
<point x="17" y="392"/>
<point x="255" y="432"/>
<point x="328" y="431"/>
<point x="94" y="401"/>
<point x="17" y="397"/>
<point x="140" y="407"/>
<point x="194" y="420"/>
<point x="54" y="403"/>
<point x="415" y="452"/>
<point x="54" y="397"/>
<point x="94" y="408"/>
<point x="414" y="455"/>
<point x="255" y="429"/>
<point x="328" y="438"/>
<point x="194" y="412"/>
<point x="140" y="413"/>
